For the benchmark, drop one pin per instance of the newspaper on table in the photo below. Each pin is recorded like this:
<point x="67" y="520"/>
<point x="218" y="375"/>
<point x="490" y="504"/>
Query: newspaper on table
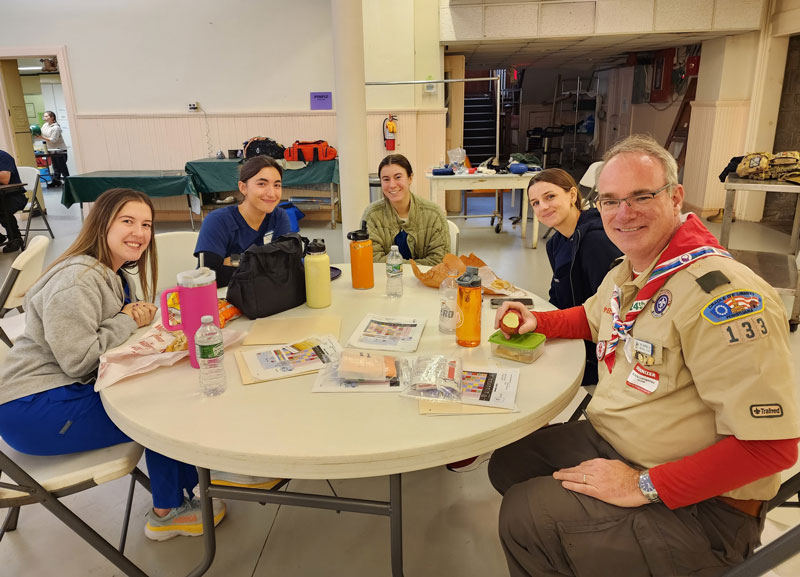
<point x="483" y="391"/>
<point x="490" y="387"/>
<point x="376" y="374"/>
<point x="147" y="353"/>
<point x="306" y="356"/>
<point x="387" y="333"/>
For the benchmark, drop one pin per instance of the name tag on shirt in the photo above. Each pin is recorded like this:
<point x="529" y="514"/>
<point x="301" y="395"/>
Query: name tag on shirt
<point x="643" y="347"/>
<point x="268" y="237"/>
<point x="642" y="379"/>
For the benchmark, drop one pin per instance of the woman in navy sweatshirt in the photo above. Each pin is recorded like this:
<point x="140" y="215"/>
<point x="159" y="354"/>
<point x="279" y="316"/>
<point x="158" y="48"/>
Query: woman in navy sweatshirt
<point x="580" y="253"/>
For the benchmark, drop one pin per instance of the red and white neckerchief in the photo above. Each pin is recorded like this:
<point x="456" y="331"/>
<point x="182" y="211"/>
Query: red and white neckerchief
<point x="674" y="258"/>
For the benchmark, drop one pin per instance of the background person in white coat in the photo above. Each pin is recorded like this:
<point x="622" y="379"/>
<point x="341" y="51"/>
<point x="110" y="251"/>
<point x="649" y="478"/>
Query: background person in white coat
<point x="51" y="134"/>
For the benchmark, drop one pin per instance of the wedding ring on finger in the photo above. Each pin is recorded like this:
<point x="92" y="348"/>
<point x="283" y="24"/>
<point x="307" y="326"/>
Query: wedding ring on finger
<point x="584" y="478"/>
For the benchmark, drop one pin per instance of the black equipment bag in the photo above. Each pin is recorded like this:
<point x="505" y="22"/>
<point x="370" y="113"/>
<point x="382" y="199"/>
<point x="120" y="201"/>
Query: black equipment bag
<point x="270" y="278"/>
<point x="263" y="145"/>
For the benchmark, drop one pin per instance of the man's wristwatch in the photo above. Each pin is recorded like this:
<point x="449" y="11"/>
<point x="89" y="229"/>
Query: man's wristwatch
<point x="647" y="488"/>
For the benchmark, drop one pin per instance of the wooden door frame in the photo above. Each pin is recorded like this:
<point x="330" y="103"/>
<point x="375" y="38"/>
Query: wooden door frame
<point x="39" y="51"/>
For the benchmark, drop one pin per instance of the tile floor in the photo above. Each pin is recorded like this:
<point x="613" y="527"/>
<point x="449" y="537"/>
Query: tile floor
<point x="449" y="518"/>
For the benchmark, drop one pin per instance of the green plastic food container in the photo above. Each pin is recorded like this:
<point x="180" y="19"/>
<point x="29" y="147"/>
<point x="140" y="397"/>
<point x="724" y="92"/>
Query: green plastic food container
<point x="522" y="348"/>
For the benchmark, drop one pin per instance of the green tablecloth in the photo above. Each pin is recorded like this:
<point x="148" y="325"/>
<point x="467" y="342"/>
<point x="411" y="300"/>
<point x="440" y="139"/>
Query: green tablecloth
<point x="211" y="175"/>
<point x="154" y="183"/>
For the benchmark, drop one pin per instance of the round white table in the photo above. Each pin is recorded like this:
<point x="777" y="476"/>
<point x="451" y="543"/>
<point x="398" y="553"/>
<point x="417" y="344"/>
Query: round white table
<point x="281" y="429"/>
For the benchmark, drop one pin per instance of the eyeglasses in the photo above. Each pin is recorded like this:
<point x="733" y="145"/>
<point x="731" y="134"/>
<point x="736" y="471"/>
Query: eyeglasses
<point x="638" y="200"/>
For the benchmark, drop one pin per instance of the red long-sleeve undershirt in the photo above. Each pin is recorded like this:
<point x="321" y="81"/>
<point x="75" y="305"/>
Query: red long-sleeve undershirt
<point x="722" y="467"/>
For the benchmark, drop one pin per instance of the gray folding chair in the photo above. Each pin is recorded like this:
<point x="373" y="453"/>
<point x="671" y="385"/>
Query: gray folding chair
<point x="28" y="479"/>
<point x="781" y="549"/>
<point x="30" y="176"/>
<point x="25" y="269"/>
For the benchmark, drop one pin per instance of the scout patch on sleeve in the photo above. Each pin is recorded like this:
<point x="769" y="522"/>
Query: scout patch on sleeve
<point x="766" y="411"/>
<point x="743" y="331"/>
<point x="733" y="305"/>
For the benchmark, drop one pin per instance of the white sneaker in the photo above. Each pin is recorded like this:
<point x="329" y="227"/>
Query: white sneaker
<point x="184" y="520"/>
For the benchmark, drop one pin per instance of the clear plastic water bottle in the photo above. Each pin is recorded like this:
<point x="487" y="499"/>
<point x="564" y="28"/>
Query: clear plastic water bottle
<point x="448" y="294"/>
<point x="394" y="273"/>
<point x="210" y="356"/>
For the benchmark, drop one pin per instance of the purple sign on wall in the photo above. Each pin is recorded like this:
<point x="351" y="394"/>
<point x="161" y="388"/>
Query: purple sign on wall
<point x="321" y="101"/>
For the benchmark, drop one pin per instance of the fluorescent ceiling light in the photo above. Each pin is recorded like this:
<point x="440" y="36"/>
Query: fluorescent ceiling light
<point x="23" y="68"/>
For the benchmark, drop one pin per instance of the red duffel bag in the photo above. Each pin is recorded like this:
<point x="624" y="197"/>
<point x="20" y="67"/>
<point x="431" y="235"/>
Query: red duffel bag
<point x="310" y="151"/>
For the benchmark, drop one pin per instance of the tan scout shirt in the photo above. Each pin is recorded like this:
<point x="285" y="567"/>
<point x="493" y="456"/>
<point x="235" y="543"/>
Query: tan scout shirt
<point x="694" y="382"/>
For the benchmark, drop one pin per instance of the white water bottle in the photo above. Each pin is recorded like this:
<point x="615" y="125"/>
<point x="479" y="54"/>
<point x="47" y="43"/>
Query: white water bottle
<point x="210" y="357"/>
<point x="394" y="273"/>
<point x="448" y="294"/>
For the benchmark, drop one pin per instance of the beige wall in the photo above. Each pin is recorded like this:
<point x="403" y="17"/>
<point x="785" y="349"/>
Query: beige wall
<point x="152" y="57"/>
<point x="250" y="65"/>
<point x="655" y="120"/>
<point x="719" y="118"/>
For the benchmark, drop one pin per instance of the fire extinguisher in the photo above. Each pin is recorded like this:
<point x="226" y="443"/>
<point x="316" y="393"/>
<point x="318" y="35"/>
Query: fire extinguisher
<point x="389" y="132"/>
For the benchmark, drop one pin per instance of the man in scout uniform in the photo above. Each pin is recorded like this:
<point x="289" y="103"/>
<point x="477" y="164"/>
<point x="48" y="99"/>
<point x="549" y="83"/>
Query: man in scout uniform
<point x="694" y="415"/>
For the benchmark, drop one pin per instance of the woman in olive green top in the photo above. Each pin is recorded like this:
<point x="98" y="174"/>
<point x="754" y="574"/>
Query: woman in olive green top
<point x="417" y="226"/>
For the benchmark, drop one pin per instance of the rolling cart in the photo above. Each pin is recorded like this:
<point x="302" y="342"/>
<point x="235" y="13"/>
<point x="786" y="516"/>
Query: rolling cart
<point x="778" y="269"/>
<point x="496" y="182"/>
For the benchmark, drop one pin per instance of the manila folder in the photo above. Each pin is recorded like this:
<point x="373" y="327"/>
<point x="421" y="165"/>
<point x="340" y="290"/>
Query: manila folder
<point x="276" y="331"/>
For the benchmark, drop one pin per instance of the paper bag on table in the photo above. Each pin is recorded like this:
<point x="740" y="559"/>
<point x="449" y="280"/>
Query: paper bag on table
<point x="492" y="284"/>
<point x="145" y="354"/>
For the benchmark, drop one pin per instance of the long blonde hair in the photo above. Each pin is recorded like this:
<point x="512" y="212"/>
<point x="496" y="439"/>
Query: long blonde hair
<point x="92" y="240"/>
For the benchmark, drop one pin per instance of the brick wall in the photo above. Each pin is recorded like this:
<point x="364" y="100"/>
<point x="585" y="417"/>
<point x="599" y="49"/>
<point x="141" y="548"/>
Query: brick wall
<point x="779" y="207"/>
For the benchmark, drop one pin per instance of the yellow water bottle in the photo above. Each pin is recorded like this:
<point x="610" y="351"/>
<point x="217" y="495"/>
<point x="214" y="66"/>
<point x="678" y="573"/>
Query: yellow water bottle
<point x="318" y="275"/>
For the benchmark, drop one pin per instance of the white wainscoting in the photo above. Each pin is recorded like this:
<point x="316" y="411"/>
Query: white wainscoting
<point x="716" y="133"/>
<point x="167" y="142"/>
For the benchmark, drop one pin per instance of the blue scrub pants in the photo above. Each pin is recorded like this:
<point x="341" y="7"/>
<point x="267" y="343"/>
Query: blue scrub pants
<point x="70" y="419"/>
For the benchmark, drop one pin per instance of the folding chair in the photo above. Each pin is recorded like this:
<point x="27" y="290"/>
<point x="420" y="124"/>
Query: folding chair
<point x="454" y="234"/>
<point x="781" y="549"/>
<point x="175" y="254"/>
<point x="580" y="410"/>
<point x="24" y="271"/>
<point x="589" y="180"/>
<point x="28" y="479"/>
<point x="36" y="479"/>
<point x="30" y="175"/>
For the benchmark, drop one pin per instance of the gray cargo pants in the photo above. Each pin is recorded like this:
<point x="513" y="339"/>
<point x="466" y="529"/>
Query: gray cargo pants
<point x="548" y="530"/>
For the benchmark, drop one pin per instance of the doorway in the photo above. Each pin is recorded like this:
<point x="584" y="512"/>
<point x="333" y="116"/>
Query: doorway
<point x="34" y="80"/>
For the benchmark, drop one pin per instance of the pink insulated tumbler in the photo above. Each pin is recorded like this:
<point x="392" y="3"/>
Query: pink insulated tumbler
<point x="197" y="296"/>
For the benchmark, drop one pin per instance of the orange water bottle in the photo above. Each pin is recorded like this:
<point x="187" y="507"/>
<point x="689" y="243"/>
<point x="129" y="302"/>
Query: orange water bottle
<point x="361" y="258"/>
<point x="468" y="322"/>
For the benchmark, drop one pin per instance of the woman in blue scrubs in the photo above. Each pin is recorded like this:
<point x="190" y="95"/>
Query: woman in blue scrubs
<point x="256" y="221"/>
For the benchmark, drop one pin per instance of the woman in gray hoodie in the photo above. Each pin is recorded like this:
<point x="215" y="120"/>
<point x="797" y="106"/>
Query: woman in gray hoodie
<point x="82" y="306"/>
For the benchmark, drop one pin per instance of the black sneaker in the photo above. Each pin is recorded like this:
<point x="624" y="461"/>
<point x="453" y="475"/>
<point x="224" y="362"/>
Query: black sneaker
<point x="13" y="245"/>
